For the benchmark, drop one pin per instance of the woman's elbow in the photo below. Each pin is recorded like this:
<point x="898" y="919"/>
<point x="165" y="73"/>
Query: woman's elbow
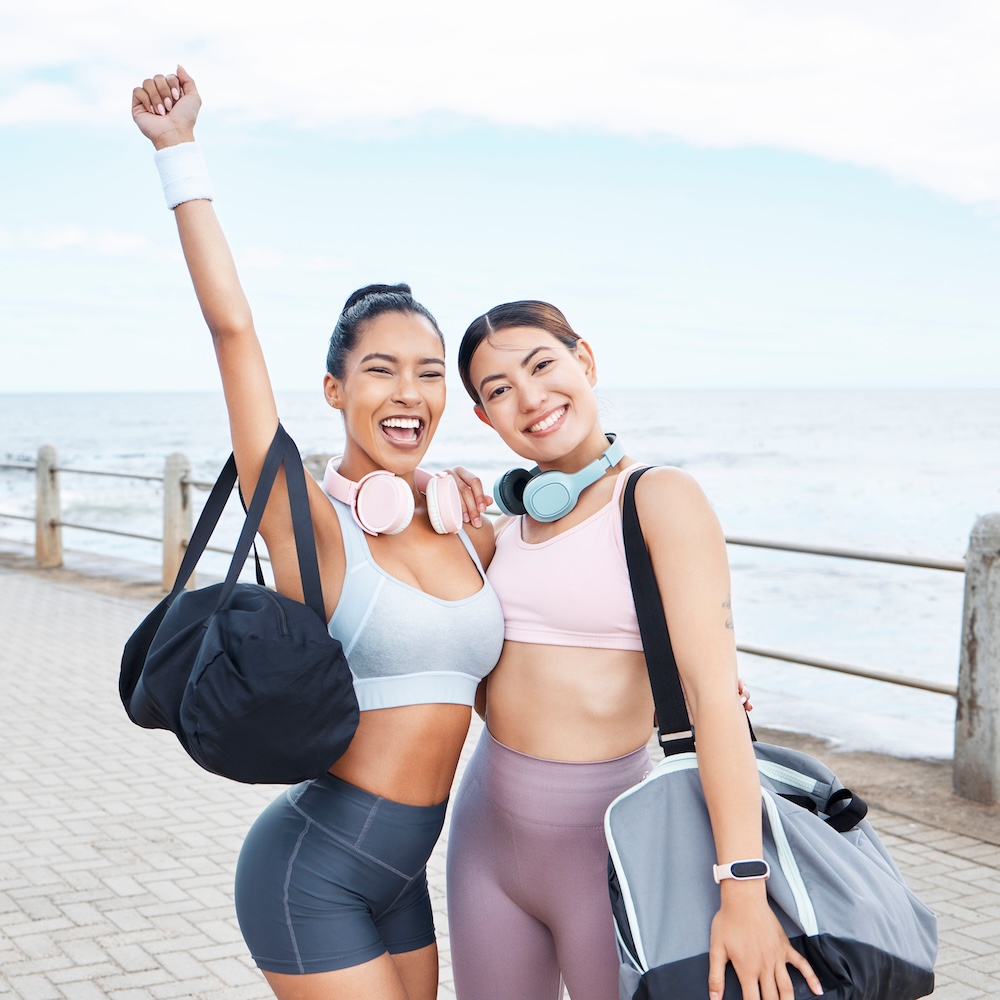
<point x="229" y="325"/>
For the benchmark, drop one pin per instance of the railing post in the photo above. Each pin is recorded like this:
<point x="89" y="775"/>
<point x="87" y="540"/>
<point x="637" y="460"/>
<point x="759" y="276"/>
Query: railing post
<point x="48" y="531"/>
<point x="177" y="518"/>
<point x="977" y="717"/>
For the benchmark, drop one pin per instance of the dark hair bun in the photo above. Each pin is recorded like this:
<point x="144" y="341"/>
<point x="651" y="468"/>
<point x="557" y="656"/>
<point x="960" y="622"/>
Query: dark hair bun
<point x="363" y="293"/>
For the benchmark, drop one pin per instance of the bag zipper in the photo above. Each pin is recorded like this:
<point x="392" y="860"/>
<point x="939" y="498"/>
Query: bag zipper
<point x="277" y="606"/>
<point x="787" y="776"/>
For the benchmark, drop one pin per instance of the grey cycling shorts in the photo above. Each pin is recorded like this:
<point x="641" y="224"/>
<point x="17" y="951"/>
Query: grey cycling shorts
<point x="331" y="876"/>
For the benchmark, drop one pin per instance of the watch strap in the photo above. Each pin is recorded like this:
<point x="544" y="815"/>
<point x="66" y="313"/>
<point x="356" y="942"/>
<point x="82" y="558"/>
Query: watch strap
<point x="746" y="870"/>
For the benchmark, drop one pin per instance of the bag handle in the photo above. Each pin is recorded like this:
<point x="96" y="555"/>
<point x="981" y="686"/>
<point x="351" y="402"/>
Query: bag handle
<point x="282" y="451"/>
<point x="676" y="734"/>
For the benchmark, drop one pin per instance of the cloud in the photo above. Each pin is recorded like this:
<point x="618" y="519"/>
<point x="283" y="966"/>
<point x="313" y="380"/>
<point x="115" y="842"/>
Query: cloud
<point x="110" y="244"/>
<point x="909" y="87"/>
<point x="269" y="259"/>
<point x="54" y="239"/>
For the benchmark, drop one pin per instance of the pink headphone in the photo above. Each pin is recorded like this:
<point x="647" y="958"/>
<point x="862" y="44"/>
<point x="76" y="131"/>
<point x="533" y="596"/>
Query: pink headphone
<point x="382" y="503"/>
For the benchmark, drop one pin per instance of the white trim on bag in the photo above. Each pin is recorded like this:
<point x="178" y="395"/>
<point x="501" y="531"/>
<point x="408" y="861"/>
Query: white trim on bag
<point x="624" y="952"/>
<point x="789" y="867"/>
<point x="678" y="762"/>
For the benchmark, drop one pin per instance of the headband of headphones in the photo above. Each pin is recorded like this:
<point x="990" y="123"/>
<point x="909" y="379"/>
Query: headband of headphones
<point x="382" y="503"/>
<point x="548" y="496"/>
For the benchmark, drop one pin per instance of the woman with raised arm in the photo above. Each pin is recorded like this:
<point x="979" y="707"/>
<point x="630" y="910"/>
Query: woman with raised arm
<point x="331" y="890"/>
<point x="569" y="709"/>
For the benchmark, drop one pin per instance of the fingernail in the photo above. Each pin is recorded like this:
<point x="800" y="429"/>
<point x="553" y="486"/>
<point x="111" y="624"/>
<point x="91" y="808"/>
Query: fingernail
<point x="744" y="700"/>
<point x="159" y="109"/>
<point x="478" y="522"/>
<point x="176" y="93"/>
<point x="169" y="103"/>
<point x="465" y="516"/>
<point x="713" y="996"/>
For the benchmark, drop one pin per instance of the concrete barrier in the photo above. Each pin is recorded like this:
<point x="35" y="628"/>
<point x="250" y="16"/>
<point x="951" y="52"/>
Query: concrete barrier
<point x="48" y="529"/>
<point x="977" y="716"/>
<point x="177" y="516"/>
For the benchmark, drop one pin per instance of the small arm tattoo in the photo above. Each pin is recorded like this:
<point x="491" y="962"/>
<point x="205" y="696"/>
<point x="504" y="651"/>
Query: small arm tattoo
<point x="728" y="605"/>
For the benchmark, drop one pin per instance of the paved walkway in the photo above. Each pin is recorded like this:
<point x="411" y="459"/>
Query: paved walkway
<point x="117" y="852"/>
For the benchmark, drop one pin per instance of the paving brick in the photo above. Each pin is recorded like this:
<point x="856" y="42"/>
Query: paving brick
<point x="33" y="988"/>
<point x="49" y="967"/>
<point x="77" y="973"/>
<point x="960" y="991"/>
<point x="82" y="990"/>
<point x="132" y="958"/>
<point x="195" y="987"/>
<point x="235" y="972"/>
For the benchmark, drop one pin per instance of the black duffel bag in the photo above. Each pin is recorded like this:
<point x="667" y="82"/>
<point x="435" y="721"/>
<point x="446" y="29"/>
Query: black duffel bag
<point x="250" y="681"/>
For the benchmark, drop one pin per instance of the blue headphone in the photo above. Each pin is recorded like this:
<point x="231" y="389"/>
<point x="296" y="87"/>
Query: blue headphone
<point x="548" y="496"/>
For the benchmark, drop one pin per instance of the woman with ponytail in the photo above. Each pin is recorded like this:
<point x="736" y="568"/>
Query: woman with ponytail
<point x="331" y="889"/>
<point x="568" y="708"/>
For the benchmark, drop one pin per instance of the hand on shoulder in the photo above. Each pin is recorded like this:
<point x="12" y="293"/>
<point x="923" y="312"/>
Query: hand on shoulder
<point x="475" y="500"/>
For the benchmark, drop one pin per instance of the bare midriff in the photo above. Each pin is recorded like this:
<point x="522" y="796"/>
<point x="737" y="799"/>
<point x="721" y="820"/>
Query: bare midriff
<point x="406" y="754"/>
<point x="569" y="703"/>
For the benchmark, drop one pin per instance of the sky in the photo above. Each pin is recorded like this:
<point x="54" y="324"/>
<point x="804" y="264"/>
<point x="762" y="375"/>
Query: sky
<point x="717" y="193"/>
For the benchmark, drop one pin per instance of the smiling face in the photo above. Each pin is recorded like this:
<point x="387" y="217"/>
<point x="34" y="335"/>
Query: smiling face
<point x="392" y="394"/>
<point x="538" y="396"/>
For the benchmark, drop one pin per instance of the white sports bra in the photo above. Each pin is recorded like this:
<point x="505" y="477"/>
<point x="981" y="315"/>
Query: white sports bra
<point x="406" y="647"/>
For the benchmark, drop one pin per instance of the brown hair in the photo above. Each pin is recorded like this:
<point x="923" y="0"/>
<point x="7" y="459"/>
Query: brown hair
<point x="526" y="312"/>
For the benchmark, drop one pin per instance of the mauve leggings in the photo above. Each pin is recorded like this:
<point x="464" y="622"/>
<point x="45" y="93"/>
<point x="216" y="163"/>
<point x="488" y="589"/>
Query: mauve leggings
<point x="528" y="875"/>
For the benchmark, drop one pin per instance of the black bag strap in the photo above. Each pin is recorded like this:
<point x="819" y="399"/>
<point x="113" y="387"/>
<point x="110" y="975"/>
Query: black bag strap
<point x="282" y="451"/>
<point x="256" y="555"/>
<point x="676" y="734"/>
<point x="844" y="808"/>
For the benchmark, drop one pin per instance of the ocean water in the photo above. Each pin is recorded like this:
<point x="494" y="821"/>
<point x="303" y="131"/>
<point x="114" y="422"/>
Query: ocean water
<point x="902" y="471"/>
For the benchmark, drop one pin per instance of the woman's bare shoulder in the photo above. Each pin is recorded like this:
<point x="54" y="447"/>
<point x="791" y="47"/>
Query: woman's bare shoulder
<point x="668" y="483"/>
<point x="670" y="500"/>
<point x="483" y="540"/>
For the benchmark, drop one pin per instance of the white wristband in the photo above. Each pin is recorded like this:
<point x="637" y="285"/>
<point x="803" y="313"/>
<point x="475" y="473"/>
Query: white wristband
<point x="183" y="173"/>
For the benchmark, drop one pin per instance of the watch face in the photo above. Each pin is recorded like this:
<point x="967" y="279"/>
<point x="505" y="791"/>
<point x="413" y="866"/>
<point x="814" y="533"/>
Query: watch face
<point x="749" y="869"/>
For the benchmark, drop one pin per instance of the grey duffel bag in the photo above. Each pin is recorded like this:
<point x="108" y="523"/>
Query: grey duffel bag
<point x="839" y="897"/>
<point x="837" y="893"/>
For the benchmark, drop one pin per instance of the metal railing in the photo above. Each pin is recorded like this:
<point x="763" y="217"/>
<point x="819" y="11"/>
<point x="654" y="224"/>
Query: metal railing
<point x="177" y="510"/>
<point x="177" y="531"/>
<point x="920" y="562"/>
<point x="973" y="691"/>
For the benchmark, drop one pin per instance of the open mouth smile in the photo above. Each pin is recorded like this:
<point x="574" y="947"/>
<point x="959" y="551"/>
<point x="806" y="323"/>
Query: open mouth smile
<point x="402" y="430"/>
<point x="548" y="421"/>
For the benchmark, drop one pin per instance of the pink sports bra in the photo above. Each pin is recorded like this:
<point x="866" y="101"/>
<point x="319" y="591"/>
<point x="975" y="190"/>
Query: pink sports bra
<point x="572" y="590"/>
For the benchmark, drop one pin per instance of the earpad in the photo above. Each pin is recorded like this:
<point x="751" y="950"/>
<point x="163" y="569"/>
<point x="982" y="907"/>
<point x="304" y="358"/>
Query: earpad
<point x="444" y="504"/>
<point x="384" y="504"/>
<point x="549" y="496"/>
<point x="508" y="492"/>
